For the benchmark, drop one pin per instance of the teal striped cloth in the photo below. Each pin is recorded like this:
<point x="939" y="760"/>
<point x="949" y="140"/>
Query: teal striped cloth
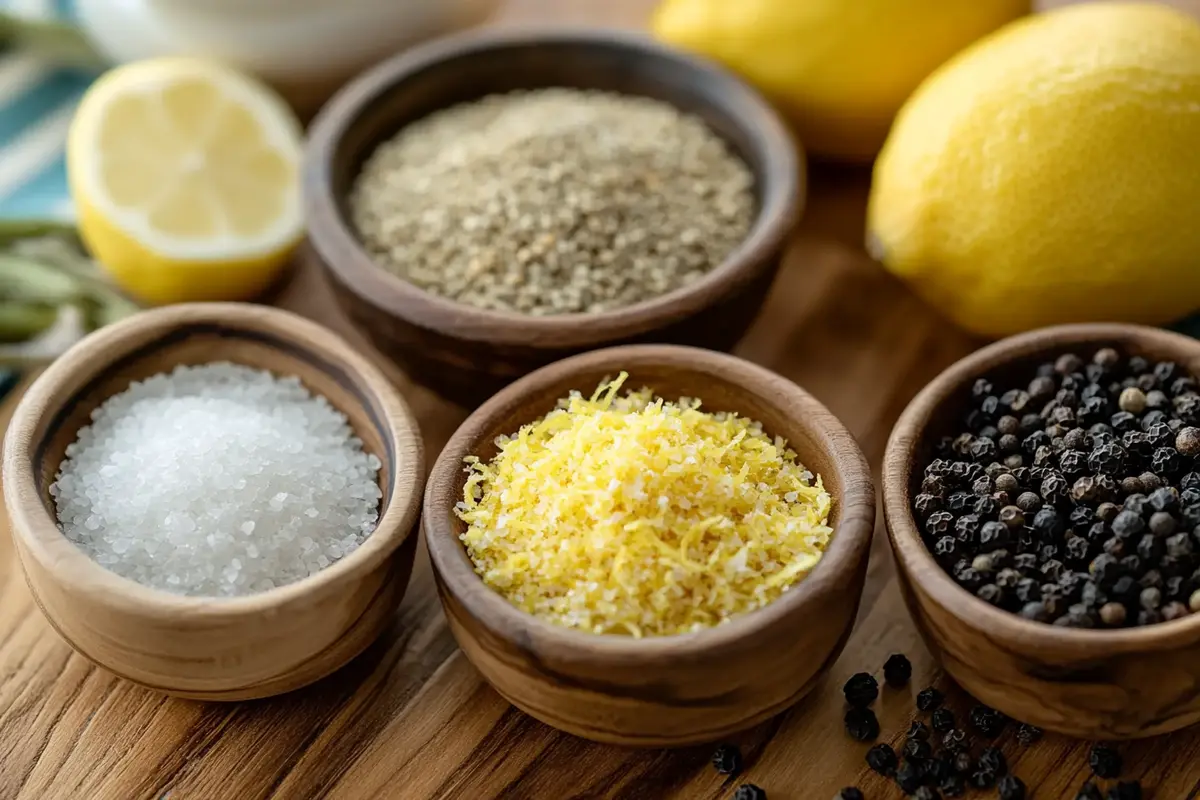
<point x="36" y="104"/>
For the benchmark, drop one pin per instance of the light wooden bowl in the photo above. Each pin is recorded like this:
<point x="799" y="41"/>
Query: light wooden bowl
<point x="213" y="648"/>
<point x="675" y="690"/>
<point x="1115" y="684"/>
<point x="468" y="353"/>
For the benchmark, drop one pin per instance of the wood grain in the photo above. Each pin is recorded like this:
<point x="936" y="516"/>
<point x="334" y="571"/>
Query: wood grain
<point x="412" y="719"/>
<point x="1106" y="684"/>
<point x="467" y="353"/>
<point x="660" y="691"/>
<point x="232" y="648"/>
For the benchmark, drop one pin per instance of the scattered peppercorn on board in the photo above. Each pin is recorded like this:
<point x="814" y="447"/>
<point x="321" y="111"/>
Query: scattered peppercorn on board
<point x="411" y="719"/>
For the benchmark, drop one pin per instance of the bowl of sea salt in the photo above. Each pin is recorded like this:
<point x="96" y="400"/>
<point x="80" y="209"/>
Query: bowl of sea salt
<point x="216" y="501"/>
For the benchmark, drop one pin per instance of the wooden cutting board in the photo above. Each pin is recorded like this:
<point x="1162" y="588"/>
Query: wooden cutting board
<point x="412" y="719"/>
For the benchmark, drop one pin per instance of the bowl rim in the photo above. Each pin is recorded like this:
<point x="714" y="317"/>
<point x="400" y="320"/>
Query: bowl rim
<point x="331" y="237"/>
<point x="913" y="558"/>
<point x="39" y="533"/>
<point x="849" y="547"/>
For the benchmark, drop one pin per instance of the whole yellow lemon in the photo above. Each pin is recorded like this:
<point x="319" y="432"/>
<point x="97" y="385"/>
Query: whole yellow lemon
<point x="1051" y="174"/>
<point x="839" y="69"/>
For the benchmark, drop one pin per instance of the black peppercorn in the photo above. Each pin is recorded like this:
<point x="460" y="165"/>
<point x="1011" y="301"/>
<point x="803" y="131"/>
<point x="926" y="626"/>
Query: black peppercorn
<point x="1125" y="790"/>
<point x="993" y="535"/>
<point x="1152" y="418"/>
<point x="983" y="778"/>
<point x="727" y="760"/>
<point x="882" y="759"/>
<point x="942" y="720"/>
<point x="861" y="689"/>
<point x="1167" y="461"/>
<point x="1105" y="761"/>
<point x="984" y="506"/>
<point x="861" y="724"/>
<point x="938" y="767"/>
<point x="925" y="793"/>
<point x="1128" y="524"/>
<point x="1174" y="610"/>
<point x="917" y="749"/>
<point x="1162" y="523"/>
<point x="1068" y="363"/>
<point x="953" y="786"/>
<point x="945" y="547"/>
<point x="982" y="449"/>
<point x="1163" y="499"/>
<point x="992" y="759"/>
<point x="1179" y="546"/>
<point x="1054" y="487"/>
<point x="929" y="698"/>
<point x="1011" y="787"/>
<point x="1052" y="570"/>
<point x="1025" y="563"/>
<point x="849" y="793"/>
<point x="1077" y="549"/>
<point x="1187" y="408"/>
<point x="1115" y="547"/>
<point x="910" y="776"/>
<point x="955" y="740"/>
<point x="1042" y="386"/>
<point x="1028" y="734"/>
<point x="990" y="593"/>
<point x="1028" y="590"/>
<point x="927" y="504"/>
<point x="917" y="730"/>
<point x="1046" y="522"/>
<point x="1150" y="548"/>
<point x="1007" y="579"/>
<point x="987" y="721"/>
<point x="748" y="791"/>
<point x="897" y="670"/>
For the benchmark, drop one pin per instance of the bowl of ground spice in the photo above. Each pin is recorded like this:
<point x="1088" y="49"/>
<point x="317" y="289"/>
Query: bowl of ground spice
<point x="651" y="545"/>
<point x="215" y="501"/>
<point x="1043" y="503"/>
<point x="493" y="202"/>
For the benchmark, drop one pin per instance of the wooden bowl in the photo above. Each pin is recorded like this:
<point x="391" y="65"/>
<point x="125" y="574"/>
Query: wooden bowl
<point x="1101" y="684"/>
<point x="468" y="353"/>
<point x="213" y="648"/>
<point x="671" y="690"/>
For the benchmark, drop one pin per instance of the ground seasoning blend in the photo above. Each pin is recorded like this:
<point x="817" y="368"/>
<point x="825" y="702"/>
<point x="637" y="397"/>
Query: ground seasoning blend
<point x="1074" y="498"/>
<point x="553" y="201"/>
<point x="633" y="515"/>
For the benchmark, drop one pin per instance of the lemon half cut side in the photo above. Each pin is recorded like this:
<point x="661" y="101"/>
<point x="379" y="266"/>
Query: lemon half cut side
<point x="185" y="178"/>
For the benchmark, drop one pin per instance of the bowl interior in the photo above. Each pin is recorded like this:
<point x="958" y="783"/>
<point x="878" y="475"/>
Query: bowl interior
<point x="610" y="62"/>
<point x="195" y="343"/>
<point x="1013" y="364"/>
<point x="722" y="383"/>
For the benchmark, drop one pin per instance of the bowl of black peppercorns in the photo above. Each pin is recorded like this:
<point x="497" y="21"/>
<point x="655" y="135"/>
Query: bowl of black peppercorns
<point x="1042" y="499"/>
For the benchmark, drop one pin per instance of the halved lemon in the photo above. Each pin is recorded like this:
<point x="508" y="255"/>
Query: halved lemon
<point x="185" y="177"/>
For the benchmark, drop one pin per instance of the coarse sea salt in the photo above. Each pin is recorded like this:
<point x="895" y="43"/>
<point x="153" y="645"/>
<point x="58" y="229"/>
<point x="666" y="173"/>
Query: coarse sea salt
<point x="217" y="480"/>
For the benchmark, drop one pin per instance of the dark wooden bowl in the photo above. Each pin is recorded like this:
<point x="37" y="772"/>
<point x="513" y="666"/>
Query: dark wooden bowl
<point x="1117" y="684"/>
<point x="467" y="353"/>
<point x="672" y="690"/>
<point x="232" y="648"/>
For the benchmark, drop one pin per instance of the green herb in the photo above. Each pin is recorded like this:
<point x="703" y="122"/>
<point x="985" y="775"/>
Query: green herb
<point x="51" y="293"/>
<point x="56" y="42"/>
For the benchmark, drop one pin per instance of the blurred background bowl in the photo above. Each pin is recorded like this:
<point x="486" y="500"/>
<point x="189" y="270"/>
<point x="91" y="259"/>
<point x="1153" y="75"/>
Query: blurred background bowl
<point x="468" y="353"/>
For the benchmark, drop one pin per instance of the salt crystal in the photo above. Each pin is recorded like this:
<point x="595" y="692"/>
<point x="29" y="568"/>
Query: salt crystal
<point x="217" y="480"/>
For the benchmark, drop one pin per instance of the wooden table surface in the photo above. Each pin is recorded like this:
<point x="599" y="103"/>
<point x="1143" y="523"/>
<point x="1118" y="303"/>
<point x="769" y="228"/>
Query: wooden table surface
<point x="412" y="719"/>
